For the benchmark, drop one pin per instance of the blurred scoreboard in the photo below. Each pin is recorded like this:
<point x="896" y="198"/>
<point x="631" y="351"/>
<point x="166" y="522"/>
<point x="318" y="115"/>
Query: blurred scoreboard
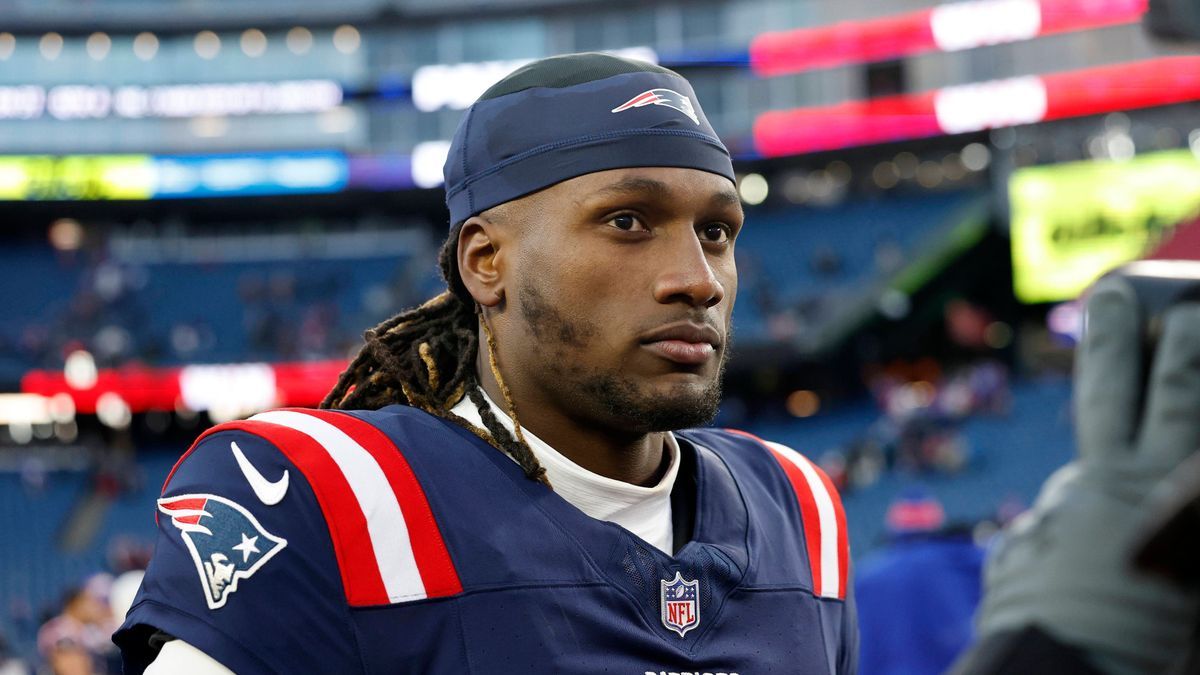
<point x="137" y="177"/>
<point x="1073" y="222"/>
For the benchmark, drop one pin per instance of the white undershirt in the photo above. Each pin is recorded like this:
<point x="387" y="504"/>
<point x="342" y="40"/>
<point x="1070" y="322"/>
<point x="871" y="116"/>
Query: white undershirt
<point x="644" y="511"/>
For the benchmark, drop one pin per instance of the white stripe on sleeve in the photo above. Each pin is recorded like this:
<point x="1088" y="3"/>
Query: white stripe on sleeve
<point x="827" y="518"/>
<point x="380" y="508"/>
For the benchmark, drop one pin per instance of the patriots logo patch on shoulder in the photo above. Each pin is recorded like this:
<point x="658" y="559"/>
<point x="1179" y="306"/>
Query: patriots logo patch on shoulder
<point x="667" y="97"/>
<point x="226" y="542"/>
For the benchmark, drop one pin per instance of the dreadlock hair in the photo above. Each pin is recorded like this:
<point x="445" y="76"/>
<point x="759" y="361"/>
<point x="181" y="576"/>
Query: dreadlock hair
<point x="425" y="357"/>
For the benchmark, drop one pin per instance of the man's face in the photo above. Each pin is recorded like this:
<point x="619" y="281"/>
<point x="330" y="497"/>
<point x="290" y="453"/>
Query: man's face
<point x="619" y="290"/>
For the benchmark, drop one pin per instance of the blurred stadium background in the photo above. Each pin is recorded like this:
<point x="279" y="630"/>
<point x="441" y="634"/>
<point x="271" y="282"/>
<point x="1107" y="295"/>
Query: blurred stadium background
<point x="205" y="203"/>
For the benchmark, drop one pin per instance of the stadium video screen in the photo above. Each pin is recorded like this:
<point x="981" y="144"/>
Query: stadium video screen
<point x="1073" y="222"/>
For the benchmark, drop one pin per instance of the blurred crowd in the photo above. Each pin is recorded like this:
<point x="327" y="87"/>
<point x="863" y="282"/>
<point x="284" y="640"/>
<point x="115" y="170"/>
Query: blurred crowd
<point x="826" y="282"/>
<point x="919" y="430"/>
<point x="116" y="312"/>
<point x="74" y="638"/>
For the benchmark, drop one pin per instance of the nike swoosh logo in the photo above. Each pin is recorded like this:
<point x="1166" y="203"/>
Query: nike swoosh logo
<point x="268" y="492"/>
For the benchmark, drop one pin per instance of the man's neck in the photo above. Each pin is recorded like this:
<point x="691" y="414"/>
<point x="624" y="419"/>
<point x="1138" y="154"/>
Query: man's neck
<point x="635" y="459"/>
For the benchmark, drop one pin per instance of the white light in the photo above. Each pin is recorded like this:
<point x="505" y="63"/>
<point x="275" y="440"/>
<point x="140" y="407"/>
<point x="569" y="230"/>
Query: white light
<point x="427" y="162"/>
<point x="234" y="390"/>
<point x="43" y="431"/>
<point x="66" y="432"/>
<point x="952" y="166"/>
<point x="976" y="156"/>
<point x="346" y="39"/>
<point x="1117" y="121"/>
<point x="930" y="174"/>
<point x="886" y="175"/>
<point x="50" y="46"/>
<point x="458" y="86"/>
<point x="72" y="102"/>
<point x="113" y="411"/>
<point x="254" y="43"/>
<point x="62" y="408"/>
<point x="8" y="44"/>
<point x="906" y="165"/>
<point x="131" y="101"/>
<point x="966" y="25"/>
<point x="299" y="40"/>
<point x="821" y="184"/>
<point x="1002" y="103"/>
<point x="66" y="234"/>
<point x="21" y="432"/>
<point x="840" y="171"/>
<point x="245" y="98"/>
<point x="145" y="46"/>
<point x="79" y="369"/>
<point x="24" y="102"/>
<point x="894" y="304"/>
<point x="98" y="46"/>
<point x="24" y="409"/>
<point x="753" y="188"/>
<point x="1120" y="146"/>
<point x="207" y="44"/>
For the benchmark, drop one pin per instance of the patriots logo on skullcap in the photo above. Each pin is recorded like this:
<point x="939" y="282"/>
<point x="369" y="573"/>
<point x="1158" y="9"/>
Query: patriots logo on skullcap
<point x="667" y="97"/>
<point x="680" y="603"/>
<point x="226" y="542"/>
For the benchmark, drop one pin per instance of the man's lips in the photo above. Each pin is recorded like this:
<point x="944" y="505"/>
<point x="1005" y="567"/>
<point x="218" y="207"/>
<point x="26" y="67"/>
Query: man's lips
<point x="687" y="353"/>
<point x="684" y="342"/>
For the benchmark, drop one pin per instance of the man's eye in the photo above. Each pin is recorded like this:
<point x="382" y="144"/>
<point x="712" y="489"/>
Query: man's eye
<point x="627" y="222"/>
<point x="717" y="233"/>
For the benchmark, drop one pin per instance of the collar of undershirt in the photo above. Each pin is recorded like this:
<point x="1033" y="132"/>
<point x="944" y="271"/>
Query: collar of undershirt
<point x="598" y="496"/>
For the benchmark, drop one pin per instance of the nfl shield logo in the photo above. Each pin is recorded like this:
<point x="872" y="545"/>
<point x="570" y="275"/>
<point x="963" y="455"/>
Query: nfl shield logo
<point x="680" y="604"/>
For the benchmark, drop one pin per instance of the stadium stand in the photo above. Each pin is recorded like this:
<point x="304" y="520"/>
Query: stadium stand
<point x="1008" y="461"/>
<point x="804" y="269"/>
<point x="38" y="567"/>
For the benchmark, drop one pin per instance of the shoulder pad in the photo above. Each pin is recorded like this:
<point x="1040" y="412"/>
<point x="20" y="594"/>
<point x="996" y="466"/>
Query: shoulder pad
<point x="385" y="538"/>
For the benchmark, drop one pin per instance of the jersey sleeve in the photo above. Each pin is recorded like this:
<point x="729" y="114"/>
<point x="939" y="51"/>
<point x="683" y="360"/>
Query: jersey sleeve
<point x="847" y="662"/>
<point x="827" y="541"/>
<point x="826" y="547"/>
<point x="244" y="566"/>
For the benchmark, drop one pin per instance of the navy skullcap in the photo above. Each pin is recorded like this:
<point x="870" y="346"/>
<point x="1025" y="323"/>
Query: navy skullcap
<point x="567" y="116"/>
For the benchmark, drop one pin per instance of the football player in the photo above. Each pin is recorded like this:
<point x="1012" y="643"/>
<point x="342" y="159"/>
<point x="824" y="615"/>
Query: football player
<point x="510" y="478"/>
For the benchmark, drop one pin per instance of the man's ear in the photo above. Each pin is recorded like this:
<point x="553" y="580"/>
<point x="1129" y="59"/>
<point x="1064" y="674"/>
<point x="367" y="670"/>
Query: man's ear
<point x="480" y="261"/>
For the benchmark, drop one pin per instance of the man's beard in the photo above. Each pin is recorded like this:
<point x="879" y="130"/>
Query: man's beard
<point x="644" y="413"/>
<point x="619" y="399"/>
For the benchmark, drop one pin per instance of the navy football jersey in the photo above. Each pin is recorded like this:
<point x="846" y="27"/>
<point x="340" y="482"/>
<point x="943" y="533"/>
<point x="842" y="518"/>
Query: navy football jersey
<point x="393" y="541"/>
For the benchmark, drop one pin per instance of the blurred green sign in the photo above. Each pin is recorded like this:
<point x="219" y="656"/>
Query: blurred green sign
<point x="1073" y="222"/>
<point x="34" y="177"/>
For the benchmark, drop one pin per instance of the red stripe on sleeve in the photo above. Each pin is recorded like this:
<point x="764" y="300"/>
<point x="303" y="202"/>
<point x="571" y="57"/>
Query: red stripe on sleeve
<point x="809" y="515"/>
<point x="438" y="573"/>
<point x="808" y="508"/>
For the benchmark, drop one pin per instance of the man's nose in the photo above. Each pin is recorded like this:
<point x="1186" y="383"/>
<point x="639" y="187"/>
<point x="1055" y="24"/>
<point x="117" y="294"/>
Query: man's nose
<point x="686" y="274"/>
